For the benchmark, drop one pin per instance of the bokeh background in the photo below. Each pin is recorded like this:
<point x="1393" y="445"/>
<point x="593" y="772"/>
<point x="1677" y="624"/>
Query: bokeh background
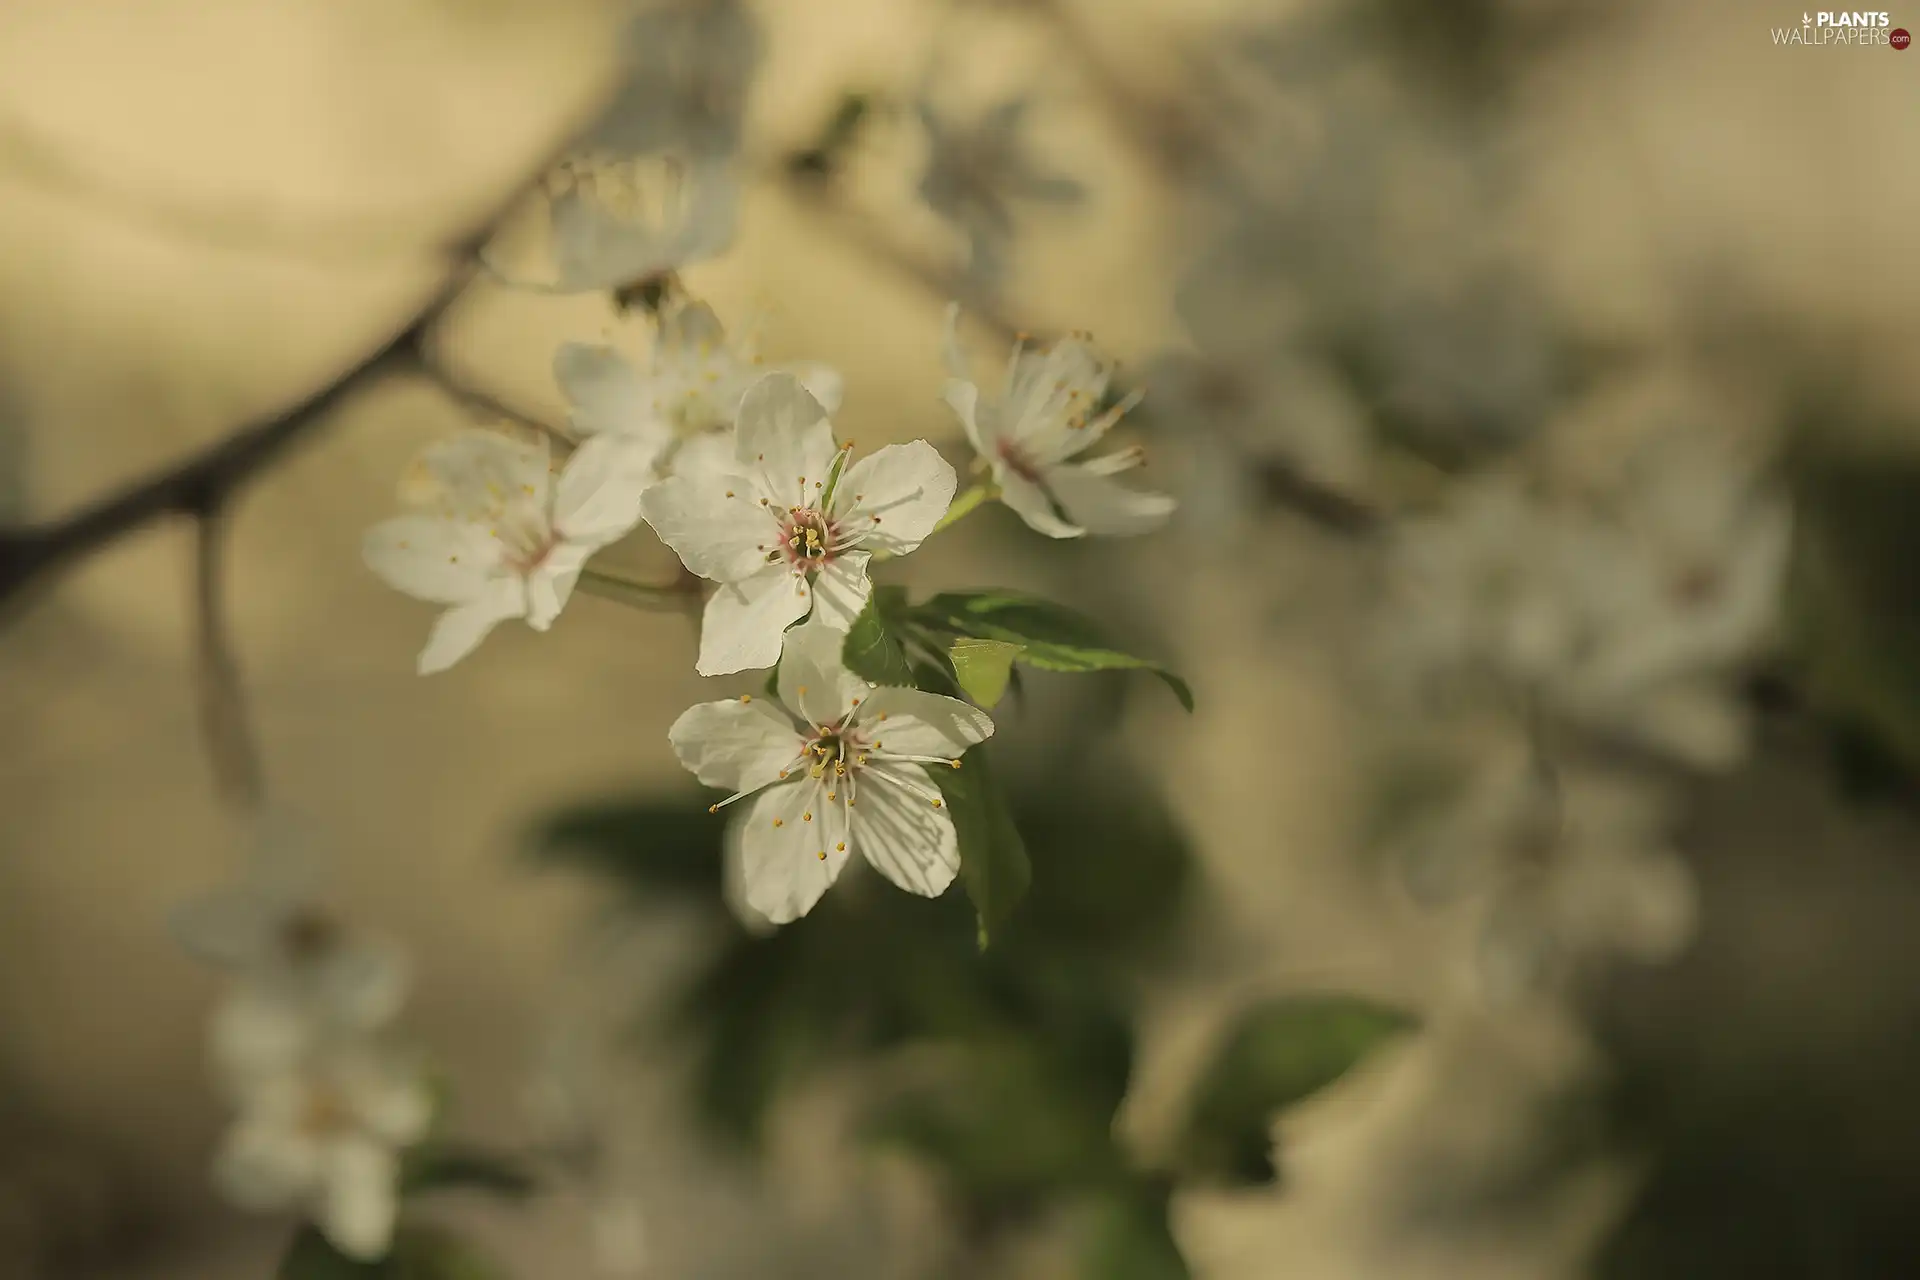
<point x="1482" y="220"/>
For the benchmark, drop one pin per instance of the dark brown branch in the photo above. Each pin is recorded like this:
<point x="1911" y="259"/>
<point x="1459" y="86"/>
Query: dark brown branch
<point x="199" y="486"/>
<point x="237" y="770"/>
<point x="1321" y="504"/>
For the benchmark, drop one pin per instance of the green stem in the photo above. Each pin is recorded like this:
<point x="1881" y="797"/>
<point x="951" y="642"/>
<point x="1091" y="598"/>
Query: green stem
<point x="957" y="511"/>
<point x="671" y="598"/>
<point x="964" y="504"/>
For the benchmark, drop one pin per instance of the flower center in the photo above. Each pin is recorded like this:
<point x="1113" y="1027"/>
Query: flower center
<point x="1018" y="462"/>
<point x="324" y="1112"/>
<point x="309" y="934"/>
<point x="806" y="539"/>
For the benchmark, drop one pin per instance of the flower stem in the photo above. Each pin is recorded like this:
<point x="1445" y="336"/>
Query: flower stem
<point x="964" y="504"/>
<point x="654" y="598"/>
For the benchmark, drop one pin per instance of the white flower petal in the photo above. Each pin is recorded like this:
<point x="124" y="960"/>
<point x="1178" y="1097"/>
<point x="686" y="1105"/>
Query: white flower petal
<point x="475" y="473"/>
<point x="256" y="1034"/>
<point x="1101" y="505"/>
<point x="823" y="382"/>
<point x="551" y="585"/>
<point x="896" y="495"/>
<point x="907" y="839"/>
<point x="745" y="621"/>
<point x="780" y="847"/>
<point x="442" y="561"/>
<point x="598" y="497"/>
<point x="976" y="416"/>
<point x="709" y="453"/>
<point x="262" y="1165"/>
<point x="910" y="722"/>
<point x="714" y="523"/>
<point x="361" y="1199"/>
<point x="459" y="631"/>
<point x="690" y="211"/>
<point x="606" y="394"/>
<point x="1030" y="502"/>
<point x="813" y="680"/>
<point x="390" y="1098"/>
<point x="840" y="590"/>
<point x="734" y="745"/>
<point x="783" y="435"/>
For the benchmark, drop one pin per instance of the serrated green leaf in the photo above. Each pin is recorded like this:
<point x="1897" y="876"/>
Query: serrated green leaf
<point x="983" y="667"/>
<point x="1278" y="1054"/>
<point x="993" y="858"/>
<point x="872" y="651"/>
<point x="1052" y="637"/>
<point x="451" y="1166"/>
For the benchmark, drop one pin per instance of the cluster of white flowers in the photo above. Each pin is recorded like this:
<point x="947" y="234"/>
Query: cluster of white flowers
<point x="325" y="1102"/>
<point x="737" y="469"/>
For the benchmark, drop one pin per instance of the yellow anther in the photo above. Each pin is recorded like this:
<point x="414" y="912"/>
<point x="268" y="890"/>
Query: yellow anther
<point x="746" y="697"/>
<point x="779" y="822"/>
<point x="823" y="855"/>
<point x="713" y="808"/>
<point x="954" y="763"/>
<point x="729" y="493"/>
<point x="834" y="795"/>
<point x="938" y="805"/>
<point x="806" y="817"/>
<point x="841" y="847"/>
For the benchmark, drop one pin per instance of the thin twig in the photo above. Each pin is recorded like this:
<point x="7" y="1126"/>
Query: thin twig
<point x="1159" y="127"/>
<point x="1318" y="503"/>
<point x="231" y="747"/>
<point x="35" y="554"/>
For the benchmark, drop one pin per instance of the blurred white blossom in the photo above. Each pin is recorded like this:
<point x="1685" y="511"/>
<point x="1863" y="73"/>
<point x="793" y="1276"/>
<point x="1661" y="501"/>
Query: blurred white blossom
<point x="1628" y="610"/>
<point x="787" y="528"/>
<point x="1047" y="414"/>
<point x="501" y="537"/>
<point x="835" y="765"/>
<point x="653" y="186"/>
<point x="321" y="1130"/>
<point x="683" y="405"/>
<point x="977" y="171"/>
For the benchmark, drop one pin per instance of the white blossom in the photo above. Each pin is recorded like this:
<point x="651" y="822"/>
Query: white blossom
<point x="835" y="765"/>
<point x="501" y="537"/>
<point x="652" y="186"/>
<point x="787" y="528"/>
<point x="1033" y="434"/>
<point x="301" y="970"/>
<point x="683" y="404"/>
<point x="321" y="1131"/>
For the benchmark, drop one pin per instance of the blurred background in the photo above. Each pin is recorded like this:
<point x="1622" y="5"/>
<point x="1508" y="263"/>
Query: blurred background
<point x="1534" y="379"/>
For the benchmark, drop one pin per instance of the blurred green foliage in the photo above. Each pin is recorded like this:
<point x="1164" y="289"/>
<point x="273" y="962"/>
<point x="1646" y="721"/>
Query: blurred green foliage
<point x="418" y="1253"/>
<point x="1855" y="614"/>
<point x="1010" y="1061"/>
<point x="1278" y="1054"/>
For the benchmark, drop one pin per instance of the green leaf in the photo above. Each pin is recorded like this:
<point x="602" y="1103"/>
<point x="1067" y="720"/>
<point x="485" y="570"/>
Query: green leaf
<point x="1126" y="1236"/>
<point x="993" y="858"/>
<point x="451" y="1166"/>
<point x="418" y="1253"/>
<point x="873" y="651"/>
<point x="984" y="667"/>
<point x="1053" y="638"/>
<point x="1278" y="1054"/>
